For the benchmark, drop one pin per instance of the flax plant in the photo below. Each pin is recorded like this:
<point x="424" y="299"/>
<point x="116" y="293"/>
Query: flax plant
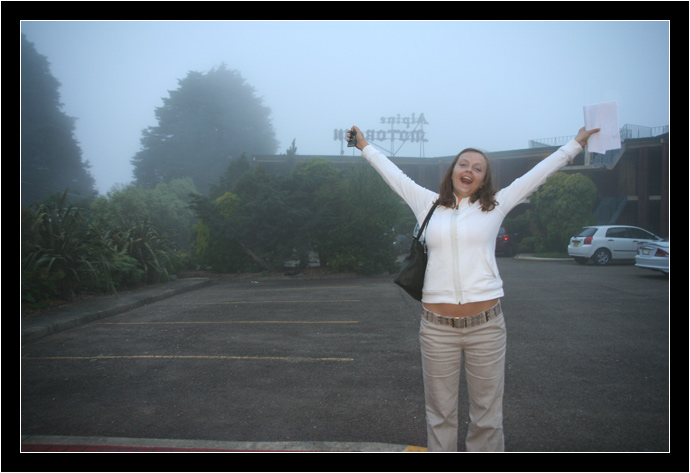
<point x="63" y="254"/>
<point x="60" y="254"/>
<point x="154" y="253"/>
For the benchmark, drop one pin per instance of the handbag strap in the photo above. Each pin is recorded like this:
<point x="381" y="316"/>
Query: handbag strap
<point x="426" y="220"/>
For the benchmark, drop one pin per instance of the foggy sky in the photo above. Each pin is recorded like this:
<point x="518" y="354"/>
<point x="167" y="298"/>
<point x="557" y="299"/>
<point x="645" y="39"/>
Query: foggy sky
<point x="491" y="85"/>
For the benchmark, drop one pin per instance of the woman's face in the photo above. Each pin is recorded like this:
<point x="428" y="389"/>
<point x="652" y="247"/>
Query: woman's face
<point x="469" y="173"/>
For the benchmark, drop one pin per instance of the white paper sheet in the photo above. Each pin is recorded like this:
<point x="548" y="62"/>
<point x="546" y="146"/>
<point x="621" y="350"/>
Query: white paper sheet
<point x="604" y="116"/>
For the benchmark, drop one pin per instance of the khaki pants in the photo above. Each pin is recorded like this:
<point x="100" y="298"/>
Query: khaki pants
<point x="484" y="348"/>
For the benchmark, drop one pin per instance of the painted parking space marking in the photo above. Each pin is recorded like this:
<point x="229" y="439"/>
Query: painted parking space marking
<point x="185" y="357"/>
<point x="237" y="322"/>
<point x="211" y="289"/>
<point x="316" y="301"/>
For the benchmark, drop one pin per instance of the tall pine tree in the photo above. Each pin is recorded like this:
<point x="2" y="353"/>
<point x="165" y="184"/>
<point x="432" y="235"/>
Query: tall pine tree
<point x="51" y="159"/>
<point x="211" y="118"/>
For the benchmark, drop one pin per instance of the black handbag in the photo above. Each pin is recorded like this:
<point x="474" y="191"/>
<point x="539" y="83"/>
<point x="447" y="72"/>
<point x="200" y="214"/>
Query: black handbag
<point x="411" y="275"/>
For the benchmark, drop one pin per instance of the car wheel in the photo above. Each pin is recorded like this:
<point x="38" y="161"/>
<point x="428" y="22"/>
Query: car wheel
<point x="601" y="257"/>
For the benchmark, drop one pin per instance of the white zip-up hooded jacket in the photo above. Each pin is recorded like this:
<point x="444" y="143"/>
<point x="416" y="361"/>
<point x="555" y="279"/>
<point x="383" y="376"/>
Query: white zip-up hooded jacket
<point x="461" y="242"/>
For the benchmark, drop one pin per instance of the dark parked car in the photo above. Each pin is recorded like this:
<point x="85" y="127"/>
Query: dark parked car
<point x="505" y="243"/>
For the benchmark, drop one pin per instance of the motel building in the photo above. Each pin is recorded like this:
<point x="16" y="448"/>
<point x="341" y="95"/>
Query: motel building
<point x="632" y="182"/>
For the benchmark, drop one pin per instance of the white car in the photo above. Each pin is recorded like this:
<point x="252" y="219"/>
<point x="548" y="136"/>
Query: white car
<point x="605" y="243"/>
<point x="655" y="256"/>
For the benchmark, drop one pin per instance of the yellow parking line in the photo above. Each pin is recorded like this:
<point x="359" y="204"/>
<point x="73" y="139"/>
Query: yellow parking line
<point x="237" y="322"/>
<point x="259" y="288"/>
<point x="333" y="301"/>
<point x="184" y="357"/>
<point x="413" y="448"/>
<point x="329" y="301"/>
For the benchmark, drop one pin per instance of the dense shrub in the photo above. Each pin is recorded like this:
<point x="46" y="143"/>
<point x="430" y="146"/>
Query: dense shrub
<point x="563" y="205"/>
<point x="213" y="246"/>
<point x="348" y="219"/>
<point x="166" y="207"/>
<point x="63" y="253"/>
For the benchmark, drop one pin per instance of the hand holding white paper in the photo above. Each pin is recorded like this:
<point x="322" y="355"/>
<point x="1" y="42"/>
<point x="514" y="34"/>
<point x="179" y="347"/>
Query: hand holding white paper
<point x="604" y="116"/>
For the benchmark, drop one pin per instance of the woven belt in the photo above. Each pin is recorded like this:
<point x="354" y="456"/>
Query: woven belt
<point x="463" y="322"/>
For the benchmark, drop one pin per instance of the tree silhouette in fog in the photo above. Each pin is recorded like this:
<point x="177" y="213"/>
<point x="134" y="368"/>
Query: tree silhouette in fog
<point x="211" y="118"/>
<point x="51" y="159"/>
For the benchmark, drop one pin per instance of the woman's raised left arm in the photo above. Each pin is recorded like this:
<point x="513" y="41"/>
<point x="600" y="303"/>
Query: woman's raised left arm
<point x="521" y="188"/>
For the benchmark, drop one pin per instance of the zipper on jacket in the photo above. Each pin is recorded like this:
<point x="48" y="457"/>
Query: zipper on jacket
<point x="454" y="253"/>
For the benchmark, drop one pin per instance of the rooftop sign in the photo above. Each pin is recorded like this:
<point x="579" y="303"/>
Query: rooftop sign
<point x="402" y="130"/>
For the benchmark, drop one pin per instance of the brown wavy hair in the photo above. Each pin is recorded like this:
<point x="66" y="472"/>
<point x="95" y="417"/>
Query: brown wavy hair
<point x="486" y="193"/>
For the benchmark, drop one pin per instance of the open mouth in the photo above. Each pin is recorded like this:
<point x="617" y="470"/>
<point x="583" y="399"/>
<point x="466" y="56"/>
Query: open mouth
<point x="466" y="180"/>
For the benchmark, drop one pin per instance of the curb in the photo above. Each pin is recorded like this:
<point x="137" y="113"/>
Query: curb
<point x="57" y="320"/>
<point x="529" y="257"/>
<point x="59" y="443"/>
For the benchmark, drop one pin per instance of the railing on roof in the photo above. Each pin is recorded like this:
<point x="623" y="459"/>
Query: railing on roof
<point x="627" y="132"/>
<point x="548" y="142"/>
<point x="637" y="131"/>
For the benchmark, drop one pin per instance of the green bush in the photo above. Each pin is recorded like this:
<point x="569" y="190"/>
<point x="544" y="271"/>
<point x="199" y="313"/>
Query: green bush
<point x="125" y="270"/>
<point x="165" y="207"/>
<point x="64" y="254"/>
<point x="155" y="254"/>
<point x="348" y="219"/>
<point x="359" y="236"/>
<point x="562" y="206"/>
<point x="531" y="244"/>
<point x="39" y="285"/>
<point x="214" y="246"/>
<point x="58" y="252"/>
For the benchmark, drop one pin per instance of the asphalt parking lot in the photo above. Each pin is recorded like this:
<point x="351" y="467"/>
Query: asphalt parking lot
<point x="336" y="359"/>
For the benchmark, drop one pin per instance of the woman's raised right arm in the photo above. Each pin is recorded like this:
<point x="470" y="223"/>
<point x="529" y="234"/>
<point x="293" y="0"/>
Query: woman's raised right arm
<point x="417" y="197"/>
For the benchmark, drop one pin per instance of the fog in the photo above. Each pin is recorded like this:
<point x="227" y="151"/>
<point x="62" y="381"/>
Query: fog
<point x="491" y="85"/>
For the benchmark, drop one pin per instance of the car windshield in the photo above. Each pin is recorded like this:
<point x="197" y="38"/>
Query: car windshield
<point x="587" y="232"/>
